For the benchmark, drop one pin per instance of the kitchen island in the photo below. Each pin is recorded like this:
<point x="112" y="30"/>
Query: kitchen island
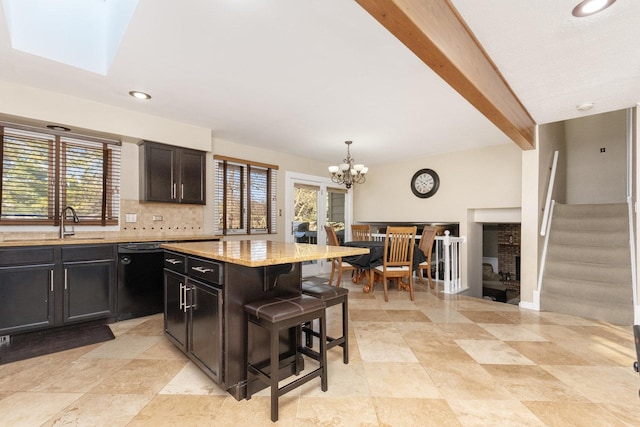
<point x="207" y="285"/>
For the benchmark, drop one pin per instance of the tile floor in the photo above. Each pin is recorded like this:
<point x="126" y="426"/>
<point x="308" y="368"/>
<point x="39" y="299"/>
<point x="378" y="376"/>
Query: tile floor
<point x="440" y="360"/>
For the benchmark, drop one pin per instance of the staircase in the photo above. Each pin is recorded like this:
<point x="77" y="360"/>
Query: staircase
<point x="588" y="264"/>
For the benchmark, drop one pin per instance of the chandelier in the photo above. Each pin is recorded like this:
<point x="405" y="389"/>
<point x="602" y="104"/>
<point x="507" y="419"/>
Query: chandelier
<point x="347" y="173"/>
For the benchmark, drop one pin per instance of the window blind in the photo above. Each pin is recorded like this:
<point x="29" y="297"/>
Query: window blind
<point x="245" y="199"/>
<point x="42" y="173"/>
<point x="28" y="177"/>
<point x="91" y="172"/>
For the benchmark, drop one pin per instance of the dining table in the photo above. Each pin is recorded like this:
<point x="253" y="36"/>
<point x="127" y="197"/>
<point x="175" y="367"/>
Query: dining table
<point x="366" y="263"/>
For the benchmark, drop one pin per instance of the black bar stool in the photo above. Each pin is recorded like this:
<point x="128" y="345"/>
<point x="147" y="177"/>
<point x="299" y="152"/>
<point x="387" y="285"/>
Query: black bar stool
<point x="277" y="314"/>
<point x="331" y="295"/>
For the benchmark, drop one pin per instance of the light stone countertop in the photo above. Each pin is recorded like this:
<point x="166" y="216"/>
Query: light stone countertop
<point x="87" y="240"/>
<point x="258" y="253"/>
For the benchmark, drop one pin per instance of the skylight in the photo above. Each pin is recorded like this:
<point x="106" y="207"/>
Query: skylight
<point x="84" y="34"/>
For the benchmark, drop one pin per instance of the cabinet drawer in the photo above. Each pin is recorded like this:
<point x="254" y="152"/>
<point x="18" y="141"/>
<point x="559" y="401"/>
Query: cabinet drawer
<point x="209" y="271"/>
<point x="175" y="262"/>
<point x="26" y="255"/>
<point x="88" y="252"/>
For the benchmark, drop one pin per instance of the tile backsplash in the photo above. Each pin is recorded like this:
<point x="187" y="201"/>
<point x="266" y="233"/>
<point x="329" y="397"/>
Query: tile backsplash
<point x="160" y="219"/>
<point x="152" y="220"/>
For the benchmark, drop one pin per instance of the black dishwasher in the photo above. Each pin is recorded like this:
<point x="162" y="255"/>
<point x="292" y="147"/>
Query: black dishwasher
<point x="140" y="279"/>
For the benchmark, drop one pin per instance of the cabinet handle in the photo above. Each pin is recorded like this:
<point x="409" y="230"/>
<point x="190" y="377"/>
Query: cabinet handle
<point x="186" y="288"/>
<point x="51" y="280"/>
<point x="65" y="279"/>
<point x="182" y="191"/>
<point x="181" y="297"/>
<point x="173" y="261"/>
<point x="202" y="269"/>
<point x="173" y="191"/>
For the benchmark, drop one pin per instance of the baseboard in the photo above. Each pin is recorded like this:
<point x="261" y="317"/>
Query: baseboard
<point x="463" y="291"/>
<point x="535" y="305"/>
<point x="528" y="306"/>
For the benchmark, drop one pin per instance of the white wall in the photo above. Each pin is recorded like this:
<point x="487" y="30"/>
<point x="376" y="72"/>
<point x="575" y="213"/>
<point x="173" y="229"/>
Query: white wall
<point x="482" y="178"/>
<point x="50" y="107"/>
<point x="532" y="164"/>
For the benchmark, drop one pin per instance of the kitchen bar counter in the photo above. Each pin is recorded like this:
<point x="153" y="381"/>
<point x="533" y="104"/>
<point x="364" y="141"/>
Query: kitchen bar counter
<point x="259" y="253"/>
<point x="83" y="240"/>
<point x="207" y="285"/>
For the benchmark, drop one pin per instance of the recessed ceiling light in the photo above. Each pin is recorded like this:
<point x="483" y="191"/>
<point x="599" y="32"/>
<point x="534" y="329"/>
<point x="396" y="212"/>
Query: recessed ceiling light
<point x="58" y="128"/>
<point x="585" y="106"/>
<point x="139" y="95"/>
<point x="589" y="7"/>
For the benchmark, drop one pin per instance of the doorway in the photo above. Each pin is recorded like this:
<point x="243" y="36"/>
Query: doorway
<point x="311" y="203"/>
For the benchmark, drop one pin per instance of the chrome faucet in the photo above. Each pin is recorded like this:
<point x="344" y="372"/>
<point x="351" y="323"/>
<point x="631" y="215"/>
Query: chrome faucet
<point x="63" y="215"/>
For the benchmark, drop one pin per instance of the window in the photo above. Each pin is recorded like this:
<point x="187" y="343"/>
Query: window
<point x="245" y="199"/>
<point x="44" y="172"/>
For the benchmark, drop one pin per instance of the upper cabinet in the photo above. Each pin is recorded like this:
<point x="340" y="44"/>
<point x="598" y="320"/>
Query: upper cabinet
<point x="171" y="174"/>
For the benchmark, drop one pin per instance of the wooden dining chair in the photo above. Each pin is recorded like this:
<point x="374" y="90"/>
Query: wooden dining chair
<point x="426" y="246"/>
<point x="336" y="263"/>
<point x="398" y="257"/>
<point x="360" y="232"/>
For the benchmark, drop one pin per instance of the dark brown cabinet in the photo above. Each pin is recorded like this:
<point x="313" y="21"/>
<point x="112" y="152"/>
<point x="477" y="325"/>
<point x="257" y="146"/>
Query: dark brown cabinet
<point x="49" y="286"/>
<point x="89" y="278"/>
<point x="175" y="315"/>
<point x="27" y="277"/>
<point x="205" y="327"/>
<point x="193" y="310"/>
<point x="171" y="174"/>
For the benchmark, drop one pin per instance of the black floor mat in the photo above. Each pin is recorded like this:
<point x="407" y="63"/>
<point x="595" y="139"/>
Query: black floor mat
<point x="39" y="343"/>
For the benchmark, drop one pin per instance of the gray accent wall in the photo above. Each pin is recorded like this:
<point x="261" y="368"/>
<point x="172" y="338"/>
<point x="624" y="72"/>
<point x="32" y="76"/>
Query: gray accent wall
<point x="593" y="176"/>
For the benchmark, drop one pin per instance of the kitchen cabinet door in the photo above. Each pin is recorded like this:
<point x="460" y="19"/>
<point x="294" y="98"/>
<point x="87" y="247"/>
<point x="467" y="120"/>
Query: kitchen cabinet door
<point x="205" y="327"/>
<point x="171" y="174"/>
<point x="192" y="173"/>
<point x="157" y="173"/>
<point x="26" y="298"/>
<point x="175" y="316"/>
<point x="89" y="290"/>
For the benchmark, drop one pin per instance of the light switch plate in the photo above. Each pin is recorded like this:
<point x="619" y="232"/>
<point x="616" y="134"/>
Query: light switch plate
<point x="130" y="217"/>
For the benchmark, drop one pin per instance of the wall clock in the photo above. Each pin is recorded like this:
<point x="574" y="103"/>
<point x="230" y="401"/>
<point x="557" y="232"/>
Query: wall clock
<point x="425" y="183"/>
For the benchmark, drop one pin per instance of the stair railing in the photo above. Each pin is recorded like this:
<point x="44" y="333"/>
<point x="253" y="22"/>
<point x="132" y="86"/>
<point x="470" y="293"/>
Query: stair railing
<point x="545" y="227"/>
<point x="448" y="249"/>
<point x="543" y="258"/>
<point x="547" y="204"/>
<point x="447" y="260"/>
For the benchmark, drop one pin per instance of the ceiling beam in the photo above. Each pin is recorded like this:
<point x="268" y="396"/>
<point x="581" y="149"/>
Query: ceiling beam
<point x="437" y="34"/>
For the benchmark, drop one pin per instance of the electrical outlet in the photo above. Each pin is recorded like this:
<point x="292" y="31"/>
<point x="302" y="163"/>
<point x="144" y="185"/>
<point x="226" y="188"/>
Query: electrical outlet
<point x="157" y="218"/>
<point x="5" y="339"/>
